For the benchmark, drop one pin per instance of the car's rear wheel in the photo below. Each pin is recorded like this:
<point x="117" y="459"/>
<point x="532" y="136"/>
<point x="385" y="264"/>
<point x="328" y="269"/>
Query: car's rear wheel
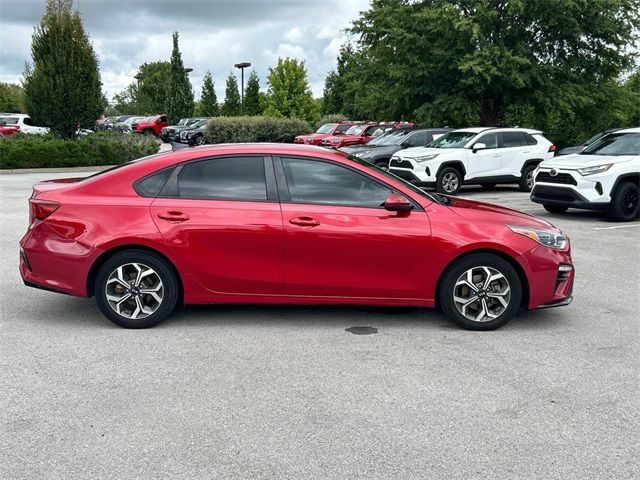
<point x="449" y="181"/>
<point x="136" y="289"/>
<point x="526" y="180"/>
<point x="624" y="202"/>
<point x="480" y="292"/>
<point x="148" y="132"/>
<point x="555" y="208"/>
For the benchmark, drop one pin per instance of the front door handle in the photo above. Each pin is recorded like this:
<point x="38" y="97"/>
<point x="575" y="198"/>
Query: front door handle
<point x="496" y="155"/>
<point x="304" y="221"/>
<point x="173" y="216"/>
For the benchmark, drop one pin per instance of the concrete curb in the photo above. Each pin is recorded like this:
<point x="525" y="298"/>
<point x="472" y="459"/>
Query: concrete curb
<point x="54" y="170"/>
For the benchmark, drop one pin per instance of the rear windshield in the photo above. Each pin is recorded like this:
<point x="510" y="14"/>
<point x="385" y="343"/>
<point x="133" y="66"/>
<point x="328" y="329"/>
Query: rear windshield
<point x="615" y="144"/>
<point x="117" y="167"/>
<point x="8" y="120"/>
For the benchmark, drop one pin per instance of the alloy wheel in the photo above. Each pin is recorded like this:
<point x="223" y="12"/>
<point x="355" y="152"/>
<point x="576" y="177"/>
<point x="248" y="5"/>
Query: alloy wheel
<point x="481" y="294"/>
<point x="529" y="179"/>
<point x="629" y="202"/>
<point x="134" y="291"/>
<point x="450" y="182"/>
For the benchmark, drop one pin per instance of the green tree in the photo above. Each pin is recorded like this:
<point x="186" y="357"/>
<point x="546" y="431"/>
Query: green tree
<point x="151" y="92"/>
<point x="252" y="95"/>
<point x="208" y="106"/>
<point x="289" y="94"/>
<point x="11" y="98"/>
<point x="231" y="105"/>
<point x="62" y="86"/>
<point x="446" y="60"/>
<point x="180" y="94"/>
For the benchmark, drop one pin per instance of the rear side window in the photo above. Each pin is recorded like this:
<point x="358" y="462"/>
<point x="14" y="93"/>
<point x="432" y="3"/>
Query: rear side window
<point x="513" y="139"/>
<point x="311" y="181"/>
<point x="232" y="178"/>
<point x="529" y="139"/>
<point x="151" y="185"/>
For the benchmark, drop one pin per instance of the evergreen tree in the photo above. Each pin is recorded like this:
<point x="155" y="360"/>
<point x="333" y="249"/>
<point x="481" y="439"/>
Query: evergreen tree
<point x="289" y="94"/>
<point x="11" y="97"/>
<point x="208" y="100"/>
<point x="231" y="105"/>
<point x="180" y="94"/>
<point x="62" y="86"/>
<point x="252" y="95"/>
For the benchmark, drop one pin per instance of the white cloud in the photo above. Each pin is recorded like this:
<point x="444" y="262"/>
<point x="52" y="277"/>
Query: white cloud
<point x="293" y="35"/>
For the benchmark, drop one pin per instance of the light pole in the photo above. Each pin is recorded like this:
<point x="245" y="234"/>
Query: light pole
<point x="242" y="66"/>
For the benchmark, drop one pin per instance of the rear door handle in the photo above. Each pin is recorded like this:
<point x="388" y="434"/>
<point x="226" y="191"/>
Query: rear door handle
<point x="173" y="216"/>
<point x="496" y="155"/>
<point x="304" y="221"/>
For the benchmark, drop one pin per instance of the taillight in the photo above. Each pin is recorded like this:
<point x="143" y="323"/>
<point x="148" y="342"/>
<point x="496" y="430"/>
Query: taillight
<point x="552" y="148"/>
<point x="41" y="209"/>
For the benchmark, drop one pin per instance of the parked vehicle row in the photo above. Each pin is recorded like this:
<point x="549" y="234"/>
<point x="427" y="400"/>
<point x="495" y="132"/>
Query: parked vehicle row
<point x="11" y="123"/>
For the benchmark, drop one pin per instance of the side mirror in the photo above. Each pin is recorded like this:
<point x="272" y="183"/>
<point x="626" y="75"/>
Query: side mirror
<point x="407" y="144"/>
<point x="478" y="146"/>
<point x="397" y="203"/>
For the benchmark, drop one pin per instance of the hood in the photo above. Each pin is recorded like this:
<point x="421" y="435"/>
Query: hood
<point x="314" y="135"/>
<point x="575" y="161"/>
<point x="472" y="209"/>
<point x="423" y="151"/>
<point x="374" y="151"/>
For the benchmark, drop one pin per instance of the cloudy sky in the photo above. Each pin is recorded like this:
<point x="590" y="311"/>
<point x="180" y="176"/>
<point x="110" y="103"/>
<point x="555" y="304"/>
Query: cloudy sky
<point x="214" y="34"/>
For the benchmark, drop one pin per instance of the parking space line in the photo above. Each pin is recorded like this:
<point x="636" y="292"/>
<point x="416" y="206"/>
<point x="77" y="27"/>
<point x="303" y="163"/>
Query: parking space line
<point x="618" y="226"/>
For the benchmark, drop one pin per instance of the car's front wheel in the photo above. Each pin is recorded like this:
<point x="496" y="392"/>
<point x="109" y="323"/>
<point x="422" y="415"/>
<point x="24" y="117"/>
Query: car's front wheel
<point x="480" y="292"/>
<point x="624" y="202"/>
<point x="136" y="289"/>
<point x="200" y="140"/>
<point x="448" y="181"/>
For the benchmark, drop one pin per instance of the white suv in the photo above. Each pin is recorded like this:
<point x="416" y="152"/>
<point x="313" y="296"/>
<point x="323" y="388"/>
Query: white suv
<point x="23" y="121"/>
<point x="482" y="156"/>
<point x="604" y="176"/>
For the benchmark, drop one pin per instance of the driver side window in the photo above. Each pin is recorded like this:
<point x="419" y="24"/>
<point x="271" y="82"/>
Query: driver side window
<point x="319" y="182"/>
<point x="489" y="139"/>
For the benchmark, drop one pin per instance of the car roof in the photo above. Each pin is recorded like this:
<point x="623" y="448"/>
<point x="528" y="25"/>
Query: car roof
<point x="21" y="115"/>
<point x="477" y="130"/>
<point x="628" y="130"/>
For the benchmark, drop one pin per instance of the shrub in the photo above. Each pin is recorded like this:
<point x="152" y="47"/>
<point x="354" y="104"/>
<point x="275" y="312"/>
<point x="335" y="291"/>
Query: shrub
<point x="254" y="129"/>
<point x="331" y="118"/>
<point x="45" y="151"/>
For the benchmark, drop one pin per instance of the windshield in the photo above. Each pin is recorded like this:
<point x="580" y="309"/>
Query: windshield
<point x="9" y="120"/>
<point x="615" y="144"/>
<point x="355" y="130"/>
<point x="594" y="138"/>
<point x="388" y="174"/>
<point x="452" y="140"/>
<point x="393" y="137"/>
<point x="326" y="128"/>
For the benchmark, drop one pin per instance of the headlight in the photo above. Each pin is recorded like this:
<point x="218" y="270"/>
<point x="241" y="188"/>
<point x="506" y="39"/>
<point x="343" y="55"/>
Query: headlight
<point x="593" y="170"/>
<point x="547" y="238"/>
<point x="426" y="158"/>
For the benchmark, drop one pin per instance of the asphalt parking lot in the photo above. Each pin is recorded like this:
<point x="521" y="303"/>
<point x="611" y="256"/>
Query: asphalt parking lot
<point x="287" y="392"/>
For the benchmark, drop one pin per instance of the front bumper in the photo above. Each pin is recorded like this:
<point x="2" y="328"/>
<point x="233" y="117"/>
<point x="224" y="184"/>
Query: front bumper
<point x="550" y="274"/>
<point x="568" y="188"/>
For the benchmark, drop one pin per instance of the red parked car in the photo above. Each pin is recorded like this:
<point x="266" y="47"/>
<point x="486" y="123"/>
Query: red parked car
<point x="326" y="130"/>
<point x="274" y="223"/>
<point x="153" y="126"/>
<point x="360" y="134"/>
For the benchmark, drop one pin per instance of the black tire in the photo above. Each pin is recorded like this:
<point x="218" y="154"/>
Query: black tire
<point x="555" y="208"/>
<point x="148" y="132"/>
<point x="199" y="140"/>
<point x="448" y="289"/>
<point x="449" y="181"/>
<point x="161" y="270"/>
<point x="526" y="180"/>
<point x="624" y="202"/>
<point x="488" y="186"/>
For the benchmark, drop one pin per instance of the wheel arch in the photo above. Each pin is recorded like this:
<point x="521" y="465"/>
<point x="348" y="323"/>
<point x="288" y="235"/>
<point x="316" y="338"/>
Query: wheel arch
<point x="107" y="254"/>
<point x="457" y="164"/>
<point x="626" y="177"/>
<point x="530" y="162"/>
<point x="524" y="281"/>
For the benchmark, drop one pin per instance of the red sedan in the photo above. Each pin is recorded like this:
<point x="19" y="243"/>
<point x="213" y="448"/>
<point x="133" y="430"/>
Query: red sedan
<point x="267" y="223"/>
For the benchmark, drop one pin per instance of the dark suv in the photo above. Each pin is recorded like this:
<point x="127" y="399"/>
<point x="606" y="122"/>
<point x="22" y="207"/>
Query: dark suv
<point x="379" y="150"/>
<point x="194" y="134"/>
<point x="171" y="133"/>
